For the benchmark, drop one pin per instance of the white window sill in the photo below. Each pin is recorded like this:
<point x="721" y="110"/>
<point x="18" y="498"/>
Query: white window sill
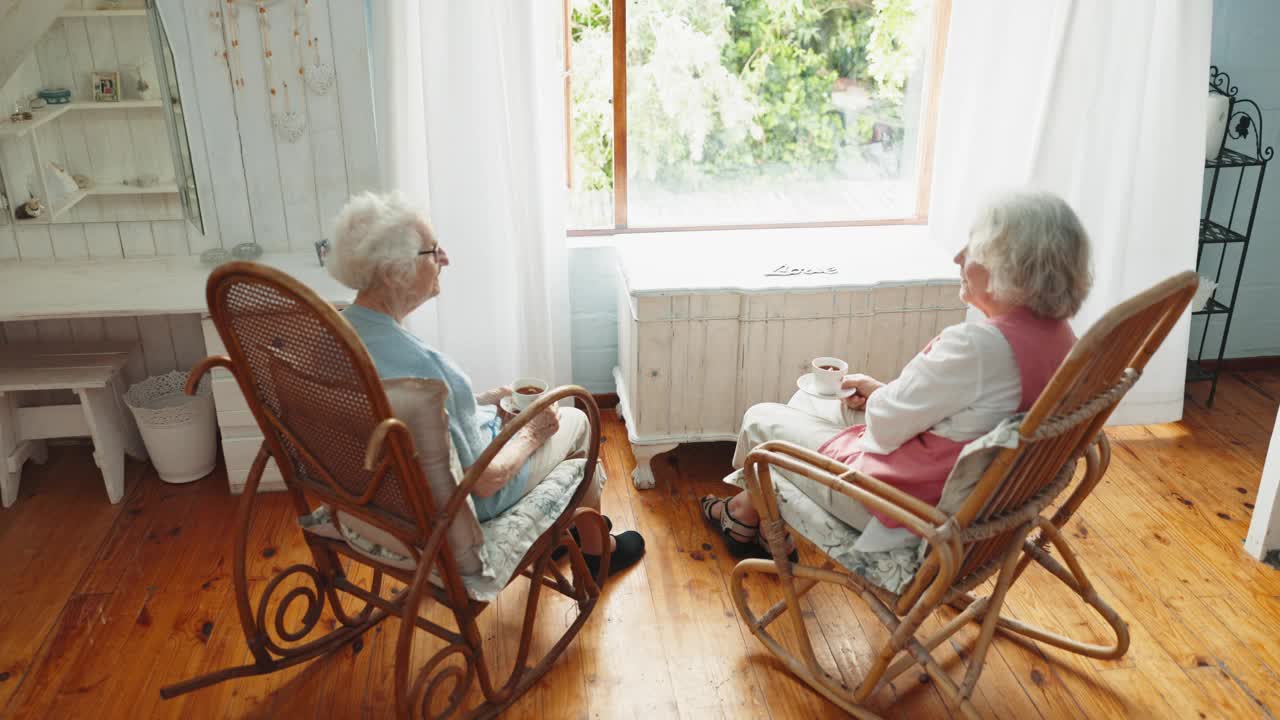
<point x="852" y="232"/>
<point x="751" y="260"/>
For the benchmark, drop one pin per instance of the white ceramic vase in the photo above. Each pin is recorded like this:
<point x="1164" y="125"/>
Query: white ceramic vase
<point x="1219" y="106"/>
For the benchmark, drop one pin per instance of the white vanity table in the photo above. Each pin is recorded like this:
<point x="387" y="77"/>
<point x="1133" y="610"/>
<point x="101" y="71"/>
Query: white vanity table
<point x="709" y="326"/>
<point x="35" y="290"/>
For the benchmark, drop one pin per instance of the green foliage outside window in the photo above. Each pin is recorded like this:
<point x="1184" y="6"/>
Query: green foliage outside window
<point x="739" y="88"/>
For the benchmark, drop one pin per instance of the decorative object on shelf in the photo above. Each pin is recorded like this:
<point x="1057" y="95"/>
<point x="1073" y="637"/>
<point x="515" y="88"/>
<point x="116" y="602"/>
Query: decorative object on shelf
<point x="289" y="124"/>
<point x="1241" y="123"/>
<point x="318" y="75"/>
<point x="20" y="116"/>
<point x="30" y="210"/>
<point x="247" y="251"/>
<point x="35" y="102"/>
<point x="55" y="96"/>
<point x="216" y="256"/>
<point x="136" y="83"/>
<point x="59" y="181"/>
<point x="322" y="250"/>
<point x="1203" y="292"/>
<point x="145" y="180"/>
<point x="84" y="182"/>
<point x="106" y="86"/>
<point x="1216" y="124"/>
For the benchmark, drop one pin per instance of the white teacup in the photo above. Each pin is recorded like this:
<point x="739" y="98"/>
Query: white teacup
<point x="525" y="390"/>
<point x="828" y="374"/>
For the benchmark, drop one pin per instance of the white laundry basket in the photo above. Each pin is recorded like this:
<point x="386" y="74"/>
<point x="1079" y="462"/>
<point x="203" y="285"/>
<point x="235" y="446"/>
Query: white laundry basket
<point x="179" y="430"/>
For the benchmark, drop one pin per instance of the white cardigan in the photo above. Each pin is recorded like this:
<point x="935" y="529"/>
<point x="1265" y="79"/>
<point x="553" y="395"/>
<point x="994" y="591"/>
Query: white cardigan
<point x="961" y="389"/>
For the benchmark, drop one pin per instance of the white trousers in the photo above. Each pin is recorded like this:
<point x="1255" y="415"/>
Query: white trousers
<point x="809" y="422"/>
<point x="571" y="439"/>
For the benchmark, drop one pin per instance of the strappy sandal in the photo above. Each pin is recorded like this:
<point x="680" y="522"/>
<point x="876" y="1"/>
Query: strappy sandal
<point x="748" y="543"/>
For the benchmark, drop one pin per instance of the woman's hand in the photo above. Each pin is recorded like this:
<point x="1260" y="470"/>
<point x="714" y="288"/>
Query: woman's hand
<point x="542" y="426"/>
<point x="516" y="453"/>
<point x="494" y="396"/>
<point x="864" y="385"/>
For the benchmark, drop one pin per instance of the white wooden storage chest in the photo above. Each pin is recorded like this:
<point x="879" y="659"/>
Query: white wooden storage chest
<point x="707" y="329"/>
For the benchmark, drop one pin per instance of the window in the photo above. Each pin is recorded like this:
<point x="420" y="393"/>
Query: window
<point x="750" y="113"/>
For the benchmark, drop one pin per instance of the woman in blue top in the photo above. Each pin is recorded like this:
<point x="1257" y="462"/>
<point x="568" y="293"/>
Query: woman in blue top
<point x="384" y="249"/>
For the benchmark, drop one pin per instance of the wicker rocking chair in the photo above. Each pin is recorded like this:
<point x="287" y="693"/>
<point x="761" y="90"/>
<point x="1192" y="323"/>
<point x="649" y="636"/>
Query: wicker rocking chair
<point x="328" y="424"/>
<point x="999" y="528"/>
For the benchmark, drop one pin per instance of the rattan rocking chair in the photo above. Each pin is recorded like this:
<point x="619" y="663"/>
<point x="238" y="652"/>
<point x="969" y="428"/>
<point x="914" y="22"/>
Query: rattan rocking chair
<point x="359" y="459"/>
<point x="999" y="529"/>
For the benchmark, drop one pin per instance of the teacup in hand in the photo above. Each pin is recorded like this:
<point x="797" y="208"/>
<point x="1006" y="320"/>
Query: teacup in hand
<point x="828" y="372"/>
<point x="524" y="391"/>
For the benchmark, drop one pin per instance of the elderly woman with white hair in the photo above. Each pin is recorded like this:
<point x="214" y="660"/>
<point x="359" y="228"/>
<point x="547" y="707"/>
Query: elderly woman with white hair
<point x="1026" y="268"/>
<point x="384" y="249"/>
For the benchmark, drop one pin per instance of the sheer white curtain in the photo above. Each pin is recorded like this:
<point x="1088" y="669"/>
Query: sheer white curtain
<point x="1102" y="102"/>
<point x="469" y="105"/>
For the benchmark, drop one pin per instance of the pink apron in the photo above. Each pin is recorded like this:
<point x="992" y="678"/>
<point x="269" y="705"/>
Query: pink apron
<point x="921" y="465"/>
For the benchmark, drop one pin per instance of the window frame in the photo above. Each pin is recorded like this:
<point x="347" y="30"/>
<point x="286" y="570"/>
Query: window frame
<point x="925" y="147"/>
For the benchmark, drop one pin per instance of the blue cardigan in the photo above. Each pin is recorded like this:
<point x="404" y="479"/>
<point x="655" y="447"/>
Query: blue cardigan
<point x="396" y="352"/>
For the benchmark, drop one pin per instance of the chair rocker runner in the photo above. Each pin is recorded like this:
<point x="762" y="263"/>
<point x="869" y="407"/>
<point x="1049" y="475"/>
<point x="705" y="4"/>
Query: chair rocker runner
<point x="997" y="528"/>
<point x="329" y="425"/>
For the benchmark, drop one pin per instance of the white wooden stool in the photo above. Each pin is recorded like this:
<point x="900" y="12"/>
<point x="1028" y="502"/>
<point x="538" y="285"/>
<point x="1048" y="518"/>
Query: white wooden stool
<point x="92" y="371"/>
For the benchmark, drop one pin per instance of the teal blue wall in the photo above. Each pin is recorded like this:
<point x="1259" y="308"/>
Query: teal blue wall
<point x="592" y="303"/>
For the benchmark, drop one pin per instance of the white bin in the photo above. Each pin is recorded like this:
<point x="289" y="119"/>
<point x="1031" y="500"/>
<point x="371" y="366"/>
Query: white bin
<point x="180" y="431"/>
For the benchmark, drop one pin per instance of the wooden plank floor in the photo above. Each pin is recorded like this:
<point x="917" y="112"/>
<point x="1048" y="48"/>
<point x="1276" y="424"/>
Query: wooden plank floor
<point x="101" y="605"/>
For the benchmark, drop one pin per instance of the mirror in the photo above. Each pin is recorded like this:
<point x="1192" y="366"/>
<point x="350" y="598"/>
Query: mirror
<point x="184" y="176"/>
<point x="93" y="100"/>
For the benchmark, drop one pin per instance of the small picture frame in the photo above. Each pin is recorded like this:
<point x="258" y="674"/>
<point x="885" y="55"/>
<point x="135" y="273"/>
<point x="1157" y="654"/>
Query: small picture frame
<point x="106" y="86"/>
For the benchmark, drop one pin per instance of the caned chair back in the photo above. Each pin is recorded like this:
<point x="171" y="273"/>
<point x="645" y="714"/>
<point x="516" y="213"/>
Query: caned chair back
<point x="316" y="396"/>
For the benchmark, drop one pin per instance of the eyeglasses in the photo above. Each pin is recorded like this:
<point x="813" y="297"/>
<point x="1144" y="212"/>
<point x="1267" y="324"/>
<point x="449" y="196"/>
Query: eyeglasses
<point x="433" y="251"/>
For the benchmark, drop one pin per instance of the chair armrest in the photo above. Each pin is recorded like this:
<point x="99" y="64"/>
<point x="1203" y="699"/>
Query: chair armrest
<point x="205" y="365"/>
<point x="473" y="473"/>
<point x="509" y="430"/>
<point x="919" y="517"/>
<point x="926" y="521"/>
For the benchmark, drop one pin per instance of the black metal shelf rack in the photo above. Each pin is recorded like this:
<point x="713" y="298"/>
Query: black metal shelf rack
<point x="1244" y="119"/>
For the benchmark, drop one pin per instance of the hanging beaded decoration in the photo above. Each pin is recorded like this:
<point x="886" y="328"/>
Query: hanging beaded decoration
<point x="319" y="75"/>
<point x="229" y="24"/>
<point x="215" y="28"/>
<point x="289" y="124"/>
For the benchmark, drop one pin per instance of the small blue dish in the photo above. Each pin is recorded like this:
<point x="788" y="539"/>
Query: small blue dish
<point x="55" y="96"/>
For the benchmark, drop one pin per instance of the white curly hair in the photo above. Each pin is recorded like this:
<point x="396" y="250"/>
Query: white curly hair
<point x="376" y="238"/>
<point x="1036" y="250"/>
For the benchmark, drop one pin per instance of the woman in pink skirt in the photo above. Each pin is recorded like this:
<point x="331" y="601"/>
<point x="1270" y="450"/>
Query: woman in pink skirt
<point x="1026" y="268"/>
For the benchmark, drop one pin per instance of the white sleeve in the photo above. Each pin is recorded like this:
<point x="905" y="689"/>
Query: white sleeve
<point x="931" y="388"/>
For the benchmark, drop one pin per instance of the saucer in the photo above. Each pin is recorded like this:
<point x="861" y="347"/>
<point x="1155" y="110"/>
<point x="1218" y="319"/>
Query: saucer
<point x="805" y="383"/>
<point x="508" y="405"/>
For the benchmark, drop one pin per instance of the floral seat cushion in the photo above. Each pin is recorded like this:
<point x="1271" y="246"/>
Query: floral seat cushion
<point x="507" y="537"/>
<point x="887" y="558"/>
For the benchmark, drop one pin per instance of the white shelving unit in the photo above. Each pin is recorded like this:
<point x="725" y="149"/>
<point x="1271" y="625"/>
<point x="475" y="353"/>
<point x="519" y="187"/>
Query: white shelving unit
<point x="9" y="128"/>
<point x="111" y="143"/>
<point x="123" y="12"/>
<point x="118" y="105"/>
<point x="27" y="128"/>
<point x="70" y="201"/>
